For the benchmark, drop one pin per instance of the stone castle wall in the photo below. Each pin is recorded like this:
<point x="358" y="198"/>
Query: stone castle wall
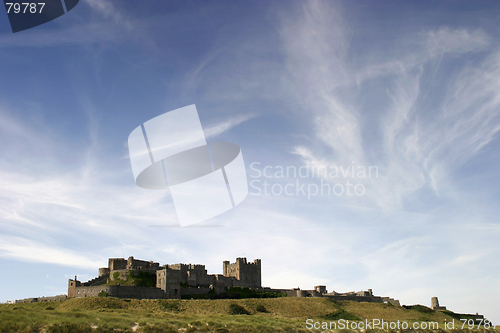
<point x="42" y="299"/>
<point x="194" y="291"/>
<point x="119" y="291"/>
<point x="193" y="275"/>
<point x="136" y="292"/>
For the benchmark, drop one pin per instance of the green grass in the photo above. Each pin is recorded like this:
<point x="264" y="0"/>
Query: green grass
<point x="340" y="314"/>
<point x="419" y="308"/>
<point x="236" y="309"/>
<point x="260" y="308"/>
<point x="108" y="314"/>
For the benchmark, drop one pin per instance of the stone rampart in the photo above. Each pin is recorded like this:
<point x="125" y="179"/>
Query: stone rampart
<point x="372" y="299"/>
<point x="42" y="299"/>
<point x="194" y="291"/>
<point x="120" y="291"/>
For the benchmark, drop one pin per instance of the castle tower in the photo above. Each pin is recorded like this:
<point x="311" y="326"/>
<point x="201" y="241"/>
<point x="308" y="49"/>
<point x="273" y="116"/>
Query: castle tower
<point x="225" y="265"/>
<point x="103" y="271"/>
<point x="320" y="289"/>
<point x="72" y="284"/>
<point x="246" y="274"/>
<point x="434" y="303"/>
<point x="168" y="280"/>
<point x="258" y="274"/>
<point x="240" y="262"/>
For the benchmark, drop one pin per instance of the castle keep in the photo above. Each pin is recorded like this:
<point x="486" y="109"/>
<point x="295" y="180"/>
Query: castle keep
<point x="171" y="281"/>
<point x="248" y="274"/>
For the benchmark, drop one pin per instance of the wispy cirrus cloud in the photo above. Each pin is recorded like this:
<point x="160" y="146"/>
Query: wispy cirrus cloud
<point x="226" y="125"/>
<point x="471" y="111"/>
<point x="46" y="202"/>
<point x="447" y="40"/>
<point x="109" y="10"/>
<point x="316" y="44"/>
<point x="18" y="248"/>
<point x="422" y="47"/>
<point x="416" y="147"/>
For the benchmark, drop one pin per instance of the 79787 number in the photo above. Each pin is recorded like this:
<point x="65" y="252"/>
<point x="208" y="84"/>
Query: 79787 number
<point x="470" y="323"/>
<point x="31" y="5"/>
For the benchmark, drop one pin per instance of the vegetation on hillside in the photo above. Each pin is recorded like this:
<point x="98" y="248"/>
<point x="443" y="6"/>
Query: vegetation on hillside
<point x="283" y="314"/>
<point x="236" y="293"/>
<point x="140" y="279"/>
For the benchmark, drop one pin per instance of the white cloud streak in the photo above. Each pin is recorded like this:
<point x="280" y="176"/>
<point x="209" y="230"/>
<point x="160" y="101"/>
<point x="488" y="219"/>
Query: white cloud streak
<point x="18" y="248"/>
<point x="226" y="125"/>
<point x="415" y="151"/>
<point x="109" y="10"/>
<point x="458" y="41"/>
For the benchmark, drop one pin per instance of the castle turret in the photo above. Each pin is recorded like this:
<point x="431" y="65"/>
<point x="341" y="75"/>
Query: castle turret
<point x="258" y="272"/>
<point x="321" y="289"/>
<point x="103" y="271"/>
<point x="434" y="302"/>
<point x="72" y="284"/>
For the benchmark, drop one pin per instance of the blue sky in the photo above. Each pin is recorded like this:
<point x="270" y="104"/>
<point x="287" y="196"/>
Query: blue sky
<point x="411" y="88"/>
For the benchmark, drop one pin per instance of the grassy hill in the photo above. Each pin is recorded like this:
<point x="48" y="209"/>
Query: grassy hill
<point x="105" y="314"/>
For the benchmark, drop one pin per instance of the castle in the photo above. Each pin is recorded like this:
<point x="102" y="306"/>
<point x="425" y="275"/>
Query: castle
<point x="177" y="280"/>
<point x="172" y="281"/>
